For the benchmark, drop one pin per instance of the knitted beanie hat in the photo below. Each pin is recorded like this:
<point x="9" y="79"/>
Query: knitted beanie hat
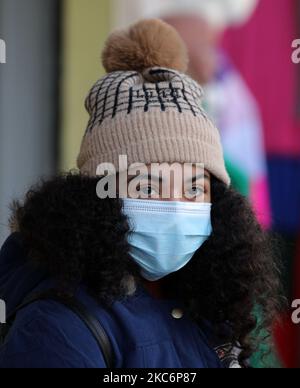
<point x="146" y="107"/>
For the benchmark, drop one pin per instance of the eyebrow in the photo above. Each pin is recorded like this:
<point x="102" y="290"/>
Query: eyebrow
<point x="159" y="179"/>
<point x="148" y="177"/>
<point x="200" y="176"/>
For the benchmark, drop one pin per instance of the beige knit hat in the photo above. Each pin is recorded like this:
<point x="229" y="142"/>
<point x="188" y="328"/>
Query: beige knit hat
<point x="146" y="107"/>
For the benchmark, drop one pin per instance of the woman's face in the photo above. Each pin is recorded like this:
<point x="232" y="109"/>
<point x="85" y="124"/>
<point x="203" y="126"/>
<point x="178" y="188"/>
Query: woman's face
<point x="192" y="187"/>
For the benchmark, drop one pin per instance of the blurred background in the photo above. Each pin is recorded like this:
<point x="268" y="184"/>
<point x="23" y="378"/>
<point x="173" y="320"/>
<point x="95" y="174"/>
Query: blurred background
<point x="240" y="52"/>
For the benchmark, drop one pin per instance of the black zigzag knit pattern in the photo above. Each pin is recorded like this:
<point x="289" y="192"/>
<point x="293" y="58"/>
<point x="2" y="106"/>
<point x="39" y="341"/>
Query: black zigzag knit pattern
<point x="157" y="88"/>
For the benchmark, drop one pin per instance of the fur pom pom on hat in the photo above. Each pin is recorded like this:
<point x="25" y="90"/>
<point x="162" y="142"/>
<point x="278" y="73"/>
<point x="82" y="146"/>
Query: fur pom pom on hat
<point x="146" y="107"/>
<point x="147" y="44"/>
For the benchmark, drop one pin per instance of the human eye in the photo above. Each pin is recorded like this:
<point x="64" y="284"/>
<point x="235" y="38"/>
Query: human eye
<point x="194" y="192"/>
<point x="148" y="190"/>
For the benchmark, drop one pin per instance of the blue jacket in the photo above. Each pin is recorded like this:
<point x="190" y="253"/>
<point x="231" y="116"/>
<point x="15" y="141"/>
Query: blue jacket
<point x="142" y="330"/>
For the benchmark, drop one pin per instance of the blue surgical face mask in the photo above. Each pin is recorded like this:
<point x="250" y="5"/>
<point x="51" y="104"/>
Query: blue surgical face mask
<point x="165" y="234"/>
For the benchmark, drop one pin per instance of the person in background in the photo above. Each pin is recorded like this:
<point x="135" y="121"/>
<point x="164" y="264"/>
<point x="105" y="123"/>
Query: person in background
<point x="229" y="101"/>
<point x="231" y="104"/>
<point x="246" y="44"/>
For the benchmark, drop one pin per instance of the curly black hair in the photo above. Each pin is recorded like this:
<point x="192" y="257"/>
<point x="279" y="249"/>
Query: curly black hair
<point x="79" y="238"/>
<point x="234" y="280"/>
<point x="76" y="237"/>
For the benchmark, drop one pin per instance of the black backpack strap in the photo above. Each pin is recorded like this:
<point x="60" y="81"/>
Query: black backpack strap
<point x="81" y="311"/>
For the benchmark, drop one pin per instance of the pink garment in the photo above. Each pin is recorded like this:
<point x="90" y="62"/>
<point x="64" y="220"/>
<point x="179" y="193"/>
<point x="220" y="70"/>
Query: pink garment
<point x="262" y="52"/>
<point x="260" y="199"/>
<point x="236" y="113"/>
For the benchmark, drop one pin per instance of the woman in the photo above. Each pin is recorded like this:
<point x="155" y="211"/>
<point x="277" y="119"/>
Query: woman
<point x="174" y="275"/>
